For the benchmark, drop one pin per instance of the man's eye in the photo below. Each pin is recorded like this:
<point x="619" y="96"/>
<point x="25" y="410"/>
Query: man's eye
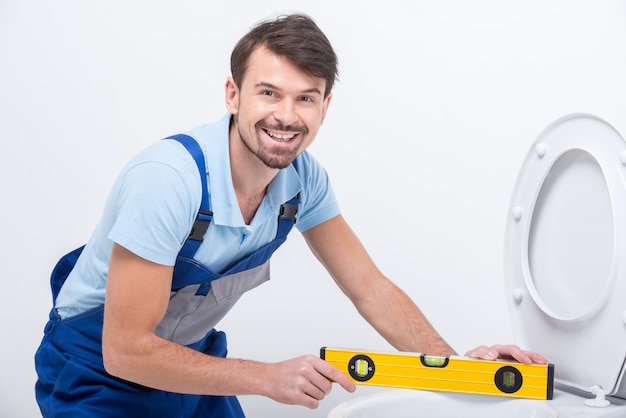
<point x="306" y="99"/>
<point x="267" y="93"/>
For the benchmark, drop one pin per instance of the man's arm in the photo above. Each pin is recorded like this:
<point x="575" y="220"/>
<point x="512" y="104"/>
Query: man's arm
<point x="386" y="307"/>
<point x="136" y="299"/>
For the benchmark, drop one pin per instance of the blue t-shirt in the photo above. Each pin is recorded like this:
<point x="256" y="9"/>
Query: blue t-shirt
<point x="154" y="202"/>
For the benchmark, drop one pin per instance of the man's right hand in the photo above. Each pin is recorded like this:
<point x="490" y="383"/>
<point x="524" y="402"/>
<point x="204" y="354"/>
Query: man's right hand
<point x="305" y="381"/>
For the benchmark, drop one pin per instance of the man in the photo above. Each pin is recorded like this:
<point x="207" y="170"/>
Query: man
<point x="189" y="226"/>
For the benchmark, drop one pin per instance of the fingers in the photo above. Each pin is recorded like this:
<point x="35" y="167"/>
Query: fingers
<point x="306" y="381"/>
<point x="506" y="352"/>
<point x="317" y="386"/>
<point x="318" y="383"/>
<point x="313" y="394"/>
<point x="516" y="353"/>
<point x="537" y="358"/>
<point x="333" y="374"/>
<point x="483" y="352"/>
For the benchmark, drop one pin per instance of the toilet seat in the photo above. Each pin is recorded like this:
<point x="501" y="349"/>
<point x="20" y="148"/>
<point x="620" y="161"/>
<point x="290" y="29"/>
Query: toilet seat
<point x="565" y="253"/>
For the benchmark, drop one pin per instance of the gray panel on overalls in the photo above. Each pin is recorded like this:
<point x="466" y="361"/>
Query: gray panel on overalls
<point x="71" y="375"/>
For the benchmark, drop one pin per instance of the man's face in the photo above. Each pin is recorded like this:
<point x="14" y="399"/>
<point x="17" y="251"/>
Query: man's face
<point x="277" y="110"/>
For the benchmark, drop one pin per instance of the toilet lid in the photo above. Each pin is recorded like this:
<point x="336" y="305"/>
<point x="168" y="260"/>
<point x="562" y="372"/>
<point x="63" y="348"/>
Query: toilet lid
<point x="565" y="252"/>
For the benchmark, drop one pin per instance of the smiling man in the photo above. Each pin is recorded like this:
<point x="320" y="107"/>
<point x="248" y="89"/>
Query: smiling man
<point x="277" y="111"/>
<point x="189" y="226"/>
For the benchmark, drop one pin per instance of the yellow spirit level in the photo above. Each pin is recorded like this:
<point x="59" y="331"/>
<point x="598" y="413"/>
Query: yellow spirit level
<point x="448" y="374"/>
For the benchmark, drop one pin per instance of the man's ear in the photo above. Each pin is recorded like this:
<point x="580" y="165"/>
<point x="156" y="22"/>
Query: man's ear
<point x="325" y="105"/>
<point x="232" y="95"/>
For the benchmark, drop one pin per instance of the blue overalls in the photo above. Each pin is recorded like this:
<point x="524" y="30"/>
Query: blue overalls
<point x="72" y="381"/>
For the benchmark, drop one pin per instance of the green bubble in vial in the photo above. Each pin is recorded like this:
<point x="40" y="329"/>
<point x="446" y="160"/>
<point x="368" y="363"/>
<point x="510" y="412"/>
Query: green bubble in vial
<point x="509" y="379"/>
<point x="434" y="361"/>
<point x="362" y="368"/>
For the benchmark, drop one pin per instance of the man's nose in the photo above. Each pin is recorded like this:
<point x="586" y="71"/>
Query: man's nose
<point x="285" y="112"/>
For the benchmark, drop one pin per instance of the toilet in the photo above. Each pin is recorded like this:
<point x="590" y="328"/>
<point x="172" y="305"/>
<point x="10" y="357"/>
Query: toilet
<point x="565" y="282"/>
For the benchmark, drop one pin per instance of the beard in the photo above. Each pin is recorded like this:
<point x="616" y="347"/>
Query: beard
<point x="273" y="157"/>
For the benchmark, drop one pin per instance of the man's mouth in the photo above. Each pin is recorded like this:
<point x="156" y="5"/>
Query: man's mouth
<point x="281" y="136"/>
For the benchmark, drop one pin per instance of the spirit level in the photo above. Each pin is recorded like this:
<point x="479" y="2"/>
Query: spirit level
<point x="448" y="374"/>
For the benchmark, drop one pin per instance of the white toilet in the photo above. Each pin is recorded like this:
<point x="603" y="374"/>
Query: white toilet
<point x="565" y="282"/>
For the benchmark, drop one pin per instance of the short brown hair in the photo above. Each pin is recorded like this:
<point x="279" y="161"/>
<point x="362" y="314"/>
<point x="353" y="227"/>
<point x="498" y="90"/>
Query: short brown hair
<point x="295" y="37"/>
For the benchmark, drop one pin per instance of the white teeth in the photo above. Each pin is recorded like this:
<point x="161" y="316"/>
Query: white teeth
<point x="279" y="136"/>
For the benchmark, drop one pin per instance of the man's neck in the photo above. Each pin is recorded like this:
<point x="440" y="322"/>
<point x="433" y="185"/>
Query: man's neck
<point x="250" y="177"/>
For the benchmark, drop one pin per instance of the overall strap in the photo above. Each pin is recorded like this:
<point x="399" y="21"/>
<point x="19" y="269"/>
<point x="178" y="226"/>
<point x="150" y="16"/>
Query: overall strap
<point x="288" y="212"/>
<point x="287" y="216"/>
<point x="204" y="215"/>
<point x="61" y="270"/>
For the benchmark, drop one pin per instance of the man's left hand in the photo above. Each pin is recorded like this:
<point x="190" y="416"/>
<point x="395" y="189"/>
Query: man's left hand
<point x="510" y="352"/>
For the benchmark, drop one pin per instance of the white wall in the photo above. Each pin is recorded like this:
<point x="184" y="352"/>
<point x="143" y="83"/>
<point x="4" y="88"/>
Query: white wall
<point x="437" y="104"/>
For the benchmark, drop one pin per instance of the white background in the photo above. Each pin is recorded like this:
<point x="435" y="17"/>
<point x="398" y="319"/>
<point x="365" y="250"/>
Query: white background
<point x="436" y="107"/>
